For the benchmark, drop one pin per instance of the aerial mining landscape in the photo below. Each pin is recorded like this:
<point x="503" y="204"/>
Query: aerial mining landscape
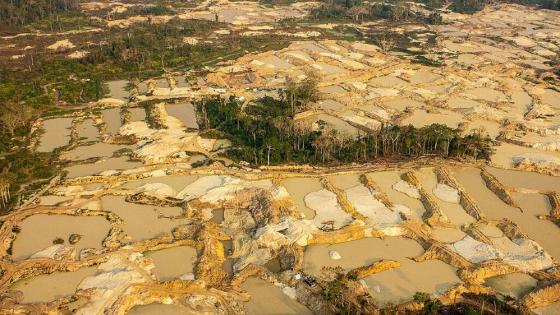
<point x="279" y="157"/>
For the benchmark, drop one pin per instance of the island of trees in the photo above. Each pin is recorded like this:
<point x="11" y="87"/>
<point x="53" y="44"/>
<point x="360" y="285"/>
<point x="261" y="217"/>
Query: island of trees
<point x="264" y="132"/>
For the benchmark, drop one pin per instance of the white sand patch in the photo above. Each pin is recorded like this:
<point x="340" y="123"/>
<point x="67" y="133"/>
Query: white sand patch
<point x="78" y="54"/>
<point x="446" y="193"/>
<point x="547" y="146"/>
<point x="539" y="160"/>
<point x="325" y="204"/>
<point x="522" y="253"/>
<point x="377" y="213"/>
<point x="407" y="189"/>
<point x="474" y="251"/>
<point x="114" y="276"/>
<point x="190" y="40"/>
<point x="217" y="188"/>
<point x="64" y="44"/>
<point x="334" y="255"/>
<point x="157" y="189"/>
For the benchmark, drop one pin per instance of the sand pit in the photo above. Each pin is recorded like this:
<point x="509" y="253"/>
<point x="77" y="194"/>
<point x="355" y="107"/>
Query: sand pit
<point x="514" y="285"/>
<point x="401" y="103"/>
<point x="176" y="182"/>
<point x="332" y="122"/>
<point x="447" y="235"/>
<point x="118" y="89"/>
<point x="99" y="149"/>
<point x="388" y="81"/>
<point x="407" y="189"/>
<point x="158" y="309"/>
<point x="268" y="298"/>
<point x="446" y="193"/>
<point x="326" y="207"/>
<point x="174" y="262"/>
<point x="184" y="112"/>
<point x="377" y="213"/>
<point x="87" y="131"/>
<point x="386" y="181"/>
<point x="137" y="114"/>
<point x="103" y="166"/>
<point x="509" y="156"/>
<point x="141" y="222"/>
<point x="421" y="118"/>
<point x="57" y="134"/>
<point x="392" y="286"/>
<point x="526" y="180"/>
<point x="39" y="231"/>
<point x="420" y="77"/>
<point x="298" y="188"/>
<point x="47" y="288"/>
<point x="112" y="118"/>
<point x="446" y="197"/>
<point x="485" y="94"/>
<point x="542" y="231"/>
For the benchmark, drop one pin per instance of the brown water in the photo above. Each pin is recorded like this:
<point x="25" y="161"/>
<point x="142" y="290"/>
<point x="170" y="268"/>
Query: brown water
<point x="527" y="180"/>
<point x="267" y="298"/>
<point x="454" y="212"/>
<point x="118" y="164"/>
<point x="552" y="309"/>
<point x="99" y="149"/>
<point x="184" y="112"/>
<point x="345" y="181"/>
<point x="298" y="188"/>
<point x="87" y="131"/>
<point x="177" y="182"/>
<point x="39" y="231"/>
<point x="137" y="114"/>
<point x="386" y="180"/>
<point x="514" y="284"/>
<point x="421" y="118"/>
<point x="344" y="128"/>
<point x="51" y="200"/>
<point x="401" y="103"/>
<point x="47" y="288"/>
<point x="424" y="77"/>
<point x="57" y="134"/>
<point x="141" y="222"/>
<point x="546" y="233"/>
<point x="159" y="309"/>
<point x="112" y="117"/>
<point x="174" y="262"/>
<point x="117" y="89"/>
<point x="542" y="231"/>
<point x="505" y="152"/>
<point x="392" y="286"/>
<point x="447" y="235"/>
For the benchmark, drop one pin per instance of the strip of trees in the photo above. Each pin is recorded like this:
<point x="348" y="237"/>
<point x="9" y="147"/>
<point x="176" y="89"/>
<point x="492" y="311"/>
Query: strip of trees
<point x="265" y="132"/>
<point x="360" y="10"/>
<point x="15" y="14"/>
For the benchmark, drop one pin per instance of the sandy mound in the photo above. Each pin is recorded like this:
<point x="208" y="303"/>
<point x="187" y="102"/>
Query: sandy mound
<point x="64" y="44"/>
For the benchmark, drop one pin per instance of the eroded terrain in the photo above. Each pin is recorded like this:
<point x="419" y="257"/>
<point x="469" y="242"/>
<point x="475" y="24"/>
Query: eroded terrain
<point x="149" y="216"/>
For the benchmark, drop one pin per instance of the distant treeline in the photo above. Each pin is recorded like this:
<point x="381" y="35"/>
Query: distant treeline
<point x="265" y="133"/>
<point x="400" y="10"/>
<point x="15" y="14"/>
<point x="360" y="10"/>
<point x="471" y="6"/>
